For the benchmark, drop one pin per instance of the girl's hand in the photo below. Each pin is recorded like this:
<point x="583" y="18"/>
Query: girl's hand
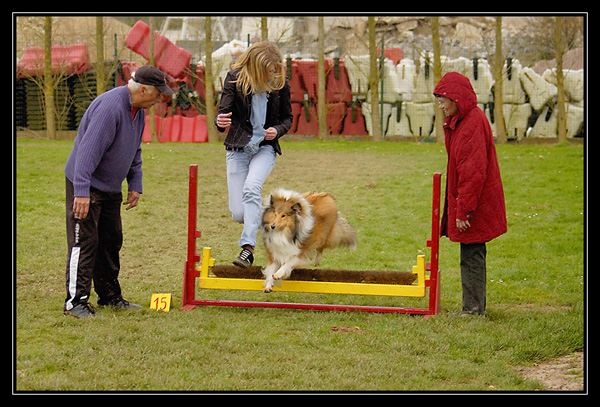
<point x="270" y="133"/>
<point x="224" y="120"/>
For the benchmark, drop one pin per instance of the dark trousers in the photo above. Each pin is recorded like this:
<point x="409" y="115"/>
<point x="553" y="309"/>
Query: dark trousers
<point x="473" y="276"/>
<point x="94" y="244"/>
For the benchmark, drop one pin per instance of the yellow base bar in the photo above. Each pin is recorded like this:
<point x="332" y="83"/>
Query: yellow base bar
<point x="321" y="287"/>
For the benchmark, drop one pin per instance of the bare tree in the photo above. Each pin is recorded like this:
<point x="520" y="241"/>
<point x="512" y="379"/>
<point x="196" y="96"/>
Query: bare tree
<point x="497" y="72"/>
<point x="373" y="80"/>
<point x="49" y="81"/>
<point x="560" y="80"/>
<point x="264" y="29"/>
<point x="321" y="105"/>
<point x="554" y="37"/>
<point x="100" y="75"/>
<point x="437" y="75"/>
<point x="208" y="81"/>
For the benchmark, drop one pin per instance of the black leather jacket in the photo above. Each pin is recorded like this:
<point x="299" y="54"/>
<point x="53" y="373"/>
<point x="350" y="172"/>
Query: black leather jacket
<point x="279" y="114"/>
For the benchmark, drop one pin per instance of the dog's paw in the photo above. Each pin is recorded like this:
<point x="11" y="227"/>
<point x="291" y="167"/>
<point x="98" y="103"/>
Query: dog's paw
<point x="268" y="285"/>
<point x="283" y="273"/>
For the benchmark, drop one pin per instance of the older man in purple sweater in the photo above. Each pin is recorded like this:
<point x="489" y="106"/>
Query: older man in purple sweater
<point x="105" y="152"/>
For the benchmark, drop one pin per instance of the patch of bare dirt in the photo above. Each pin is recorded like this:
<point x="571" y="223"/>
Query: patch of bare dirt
<point x="564" y="373"/>
<point x="347" y="329"/>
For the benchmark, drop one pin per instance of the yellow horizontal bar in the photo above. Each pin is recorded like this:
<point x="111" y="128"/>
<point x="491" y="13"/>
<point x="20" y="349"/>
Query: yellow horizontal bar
<point x="322" y="287"/>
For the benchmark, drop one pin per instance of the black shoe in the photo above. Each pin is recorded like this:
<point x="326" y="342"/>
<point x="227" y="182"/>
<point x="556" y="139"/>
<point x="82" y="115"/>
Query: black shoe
<point x="83" y="310"/>
<point x="124" y="304"/>
<point x="120" y="304"/>
<point x="245" y="259"/>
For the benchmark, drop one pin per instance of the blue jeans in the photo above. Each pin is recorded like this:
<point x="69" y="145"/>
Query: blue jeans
<point x="245" y="176"/>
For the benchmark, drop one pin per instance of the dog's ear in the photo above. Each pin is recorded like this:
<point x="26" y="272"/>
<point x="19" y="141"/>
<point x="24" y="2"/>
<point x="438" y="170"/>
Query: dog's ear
<point x="297" y="207"/>
<point x="271" y="200"/>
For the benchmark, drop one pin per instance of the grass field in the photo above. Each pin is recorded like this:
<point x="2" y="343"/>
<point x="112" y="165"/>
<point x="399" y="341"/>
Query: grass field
<point x="536" y="279"/>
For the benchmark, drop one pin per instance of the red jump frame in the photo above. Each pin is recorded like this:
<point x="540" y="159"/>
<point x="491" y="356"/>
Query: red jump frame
<point x="191" y="273"/>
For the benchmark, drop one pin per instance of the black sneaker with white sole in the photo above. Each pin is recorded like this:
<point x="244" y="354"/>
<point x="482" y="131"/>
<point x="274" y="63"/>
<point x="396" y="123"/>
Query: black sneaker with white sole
<point x="245" y="259"/>
<point x="83" y="310"/>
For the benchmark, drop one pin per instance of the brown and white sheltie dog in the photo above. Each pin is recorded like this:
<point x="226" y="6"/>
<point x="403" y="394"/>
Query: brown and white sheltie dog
<point x="295" y="226"/>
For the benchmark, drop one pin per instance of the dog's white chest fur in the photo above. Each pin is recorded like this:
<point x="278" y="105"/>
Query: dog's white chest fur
<point x="282" y="249"/>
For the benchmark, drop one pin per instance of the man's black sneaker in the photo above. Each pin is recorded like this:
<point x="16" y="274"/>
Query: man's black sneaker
<point x="83" y="310"/>
<point x="124" y="304"/>
<point x="245" y="259"/>
<point x="120" y="304"/>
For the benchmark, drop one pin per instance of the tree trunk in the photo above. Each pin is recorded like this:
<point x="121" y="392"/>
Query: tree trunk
<point x="437" y="75"/>
<point x="208" y="82"/>
<point x="264" y="29"/>
<point x="560" y="81"/>
<point x="321" y="105"/>
<point x="498" y="104"/>
<point x="151" y="122"/>
<point x="100" y="75"/>
<point x="49" y="81"/>
<point x="373" y="80"/>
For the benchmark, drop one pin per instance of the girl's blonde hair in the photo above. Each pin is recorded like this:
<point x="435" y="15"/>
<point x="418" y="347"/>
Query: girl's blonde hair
<point x="256" y="66"/>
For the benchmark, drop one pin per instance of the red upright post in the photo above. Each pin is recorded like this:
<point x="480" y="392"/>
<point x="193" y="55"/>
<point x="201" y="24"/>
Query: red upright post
<point x="434" y="243"/>
<point x="190" y="273"/>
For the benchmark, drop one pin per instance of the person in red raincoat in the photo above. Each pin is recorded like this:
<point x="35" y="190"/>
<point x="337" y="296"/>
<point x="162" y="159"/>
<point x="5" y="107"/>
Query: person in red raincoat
<point x="474" y="208"/>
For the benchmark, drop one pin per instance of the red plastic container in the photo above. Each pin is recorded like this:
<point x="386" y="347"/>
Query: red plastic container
<point x="170" y="58"/>
<point x="354" y="122"/>
<point x="66" y="60"/>
<point x="127" y="68"/>
<point x="394" y="54"/>
<point x="335" y="117"/>
<point x="337" y="83"/>
<point x="308" y="71"/>
<point x="308" y="124"/>
<point x="178" y="129"/>
<point x="296" y="88"/>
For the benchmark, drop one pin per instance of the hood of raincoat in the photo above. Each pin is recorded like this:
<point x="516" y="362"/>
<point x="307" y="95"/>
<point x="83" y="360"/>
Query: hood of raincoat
<point x="458" y="88"/>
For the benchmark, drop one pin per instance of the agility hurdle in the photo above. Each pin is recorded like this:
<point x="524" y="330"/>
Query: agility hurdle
<point x="210" y="276"/>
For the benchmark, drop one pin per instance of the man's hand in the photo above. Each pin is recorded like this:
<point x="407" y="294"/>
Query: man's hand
<point x="132" y="200"/>
<point x="81" y="206"/>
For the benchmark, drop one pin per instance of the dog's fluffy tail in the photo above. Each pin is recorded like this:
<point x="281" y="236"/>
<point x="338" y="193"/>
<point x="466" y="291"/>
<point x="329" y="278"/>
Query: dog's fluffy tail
<point x="343" y="234"/>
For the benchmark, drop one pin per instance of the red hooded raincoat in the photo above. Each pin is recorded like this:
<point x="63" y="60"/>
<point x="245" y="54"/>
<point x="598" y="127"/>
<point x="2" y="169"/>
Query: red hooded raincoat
<point x="473" y="186"/>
